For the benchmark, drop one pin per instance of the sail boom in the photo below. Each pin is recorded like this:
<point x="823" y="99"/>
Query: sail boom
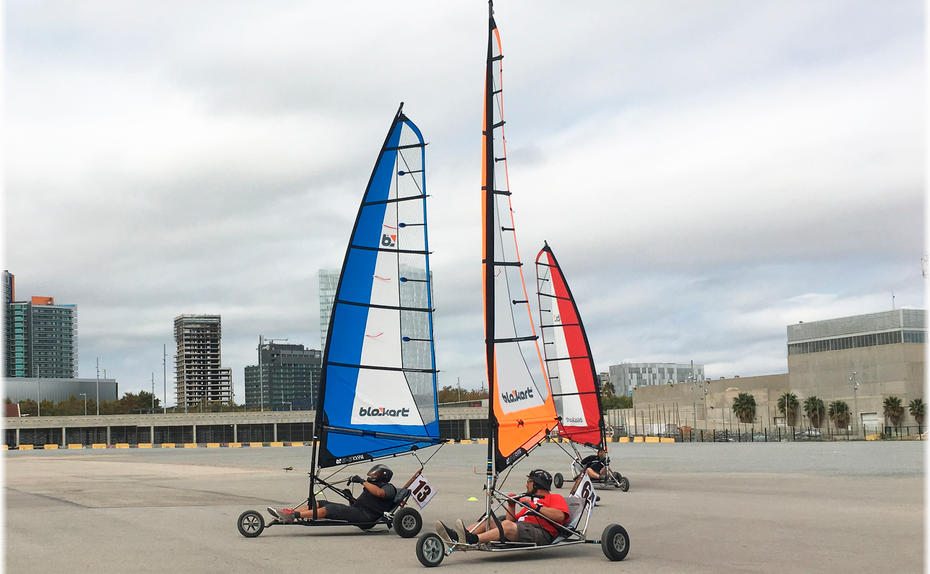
<point x="378" y="434"/>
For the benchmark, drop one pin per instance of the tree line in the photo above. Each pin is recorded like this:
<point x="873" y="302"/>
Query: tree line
<point x="744" y="408"/>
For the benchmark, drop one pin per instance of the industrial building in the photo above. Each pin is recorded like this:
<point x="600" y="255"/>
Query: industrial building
<point x="860" y="360"/>
<point x="199" y="375"/>
<point x="627" y="376"/>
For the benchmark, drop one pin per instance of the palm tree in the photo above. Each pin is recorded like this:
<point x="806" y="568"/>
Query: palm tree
<point x="916" y="408"/>
<point x="893" y="410"/>
<point x="814" y="409"/>
<point x="788" y="406"/>
<point x="744" y="407"/>
<point x="838" y="411"/>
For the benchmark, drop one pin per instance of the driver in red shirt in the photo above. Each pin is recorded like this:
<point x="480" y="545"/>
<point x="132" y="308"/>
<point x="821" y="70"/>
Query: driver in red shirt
<point x="519" y="525"/>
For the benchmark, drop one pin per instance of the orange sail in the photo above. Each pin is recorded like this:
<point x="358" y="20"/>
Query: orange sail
<point x="522" y="411"/>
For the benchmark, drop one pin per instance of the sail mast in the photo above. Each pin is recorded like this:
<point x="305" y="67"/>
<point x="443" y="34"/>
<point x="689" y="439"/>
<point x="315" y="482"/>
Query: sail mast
<point x="489" y="218"/>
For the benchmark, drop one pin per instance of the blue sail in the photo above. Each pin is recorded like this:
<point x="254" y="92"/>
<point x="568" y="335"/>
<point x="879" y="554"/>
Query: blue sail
<point x="378" y="387"/>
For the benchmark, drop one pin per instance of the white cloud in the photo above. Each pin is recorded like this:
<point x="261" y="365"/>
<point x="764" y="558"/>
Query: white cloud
<point x="706" y="176"/>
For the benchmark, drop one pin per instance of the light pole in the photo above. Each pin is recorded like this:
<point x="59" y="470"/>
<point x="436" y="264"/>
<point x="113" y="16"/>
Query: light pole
<point x="854" y="382"/>
<point x="261" y="376"/>
<point x="85" y="402"/>
<point x="164" y="375"/>
<point x="38" y="397"/>
<point x="98" y="386"/>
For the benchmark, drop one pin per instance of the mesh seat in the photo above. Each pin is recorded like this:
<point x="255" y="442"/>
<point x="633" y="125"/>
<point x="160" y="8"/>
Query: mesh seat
<point x="399" y="498"/>
<point x="576" y="508"/>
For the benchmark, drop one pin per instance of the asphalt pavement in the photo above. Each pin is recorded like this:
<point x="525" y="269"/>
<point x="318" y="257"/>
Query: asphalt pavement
<point x="799" y="507"/>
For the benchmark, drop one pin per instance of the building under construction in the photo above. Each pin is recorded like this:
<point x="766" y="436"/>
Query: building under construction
<point x="200" y="377"/>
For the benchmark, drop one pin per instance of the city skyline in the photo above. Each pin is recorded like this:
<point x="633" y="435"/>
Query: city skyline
<point x="708" y="176"/>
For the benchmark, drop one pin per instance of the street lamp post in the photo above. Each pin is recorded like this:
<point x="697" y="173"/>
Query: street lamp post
<point x="85" y="402"/>
<point x="164" y="375"/>
<point x="854" y="382"/>
<point x="98" y="386"/>
<point x="261" y="376"/>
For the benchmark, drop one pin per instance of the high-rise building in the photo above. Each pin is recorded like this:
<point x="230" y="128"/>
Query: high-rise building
<point x="627" y="376"/>
<point x="287" y="377"/>
<point x="329" y="281"/>
<point x="40" y="337"/>
<point x="9" y="287"/>
<point x="199" y="376"/>
<point x="9" y="293"/>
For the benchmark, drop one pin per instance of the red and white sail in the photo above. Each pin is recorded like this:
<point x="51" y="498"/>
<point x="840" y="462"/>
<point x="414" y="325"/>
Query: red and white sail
<point x="572" y="375"/>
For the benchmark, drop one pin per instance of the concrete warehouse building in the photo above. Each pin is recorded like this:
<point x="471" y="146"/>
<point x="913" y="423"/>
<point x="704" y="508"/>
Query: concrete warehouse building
<point x="860" y="359"/>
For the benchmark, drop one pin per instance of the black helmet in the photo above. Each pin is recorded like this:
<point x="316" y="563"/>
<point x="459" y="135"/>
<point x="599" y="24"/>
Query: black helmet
<point x="380" y="473"/>
<point x="541" y="479"/>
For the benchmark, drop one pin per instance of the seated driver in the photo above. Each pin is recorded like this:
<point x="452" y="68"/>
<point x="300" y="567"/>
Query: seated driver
<point x="377" y="498"/>
<point x="519" y="525"/>
<point x="596" y="464"/>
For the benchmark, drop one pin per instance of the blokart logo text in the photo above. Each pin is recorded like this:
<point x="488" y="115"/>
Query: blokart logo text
<point x="514" y="396"/>
<point x="383" y="412"/>
<point x="574" y="419"/>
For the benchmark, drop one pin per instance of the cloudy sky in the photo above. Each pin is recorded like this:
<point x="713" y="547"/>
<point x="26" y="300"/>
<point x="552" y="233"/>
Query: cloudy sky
<point x="706" y="172"/>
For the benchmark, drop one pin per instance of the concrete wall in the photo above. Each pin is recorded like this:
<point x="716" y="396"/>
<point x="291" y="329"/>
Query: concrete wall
<point x="683" y="404"/>
<point x="882" y="371"/>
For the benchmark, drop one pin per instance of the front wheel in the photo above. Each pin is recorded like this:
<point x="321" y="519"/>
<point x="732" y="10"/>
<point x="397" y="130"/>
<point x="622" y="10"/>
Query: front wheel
<point x="624" y="483"/>
<point x="250" y="524"/>
<point x="558" y="480"/>
<point x="615" y="542"/>
<point x="430" y="550"/>
<point x="407" y="522"/>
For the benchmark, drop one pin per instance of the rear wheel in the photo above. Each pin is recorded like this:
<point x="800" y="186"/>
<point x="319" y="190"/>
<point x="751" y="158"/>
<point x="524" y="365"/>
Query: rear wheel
<point x="615" y="542"/>
<point x="430" y="550"/>
<point x="407" y="522"/>
<point x="557" y="480"/>
<point x="624" y="483"/>
<point x="250" y="524"/>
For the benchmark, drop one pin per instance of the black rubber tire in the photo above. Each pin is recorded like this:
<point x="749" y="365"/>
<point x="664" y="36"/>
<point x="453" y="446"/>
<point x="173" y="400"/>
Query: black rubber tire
<point x="250" y="523"/>
<point x="615" y="542"/>
<point x="430" y="550"/>
<point x="557" y="480"/>
<point x="624" y="483"/>
<point x="407" y="522"/>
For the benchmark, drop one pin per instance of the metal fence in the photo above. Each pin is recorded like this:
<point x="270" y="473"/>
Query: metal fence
<point x="788" y="434"/>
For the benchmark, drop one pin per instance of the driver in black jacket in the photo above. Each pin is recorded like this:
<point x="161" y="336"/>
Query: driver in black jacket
<point x="377" y="498"/>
